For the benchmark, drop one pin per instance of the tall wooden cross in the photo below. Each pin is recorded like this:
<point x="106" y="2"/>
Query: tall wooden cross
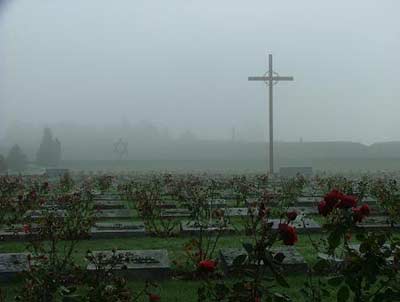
<point x="271" y="78"/>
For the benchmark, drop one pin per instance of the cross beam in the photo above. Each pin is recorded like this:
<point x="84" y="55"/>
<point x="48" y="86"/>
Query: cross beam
<point x="270" y="79"/>
<point x="274" y="78"/>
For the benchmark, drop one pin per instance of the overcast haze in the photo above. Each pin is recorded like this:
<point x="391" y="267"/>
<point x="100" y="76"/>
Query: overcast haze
<point x="184" y="65"/>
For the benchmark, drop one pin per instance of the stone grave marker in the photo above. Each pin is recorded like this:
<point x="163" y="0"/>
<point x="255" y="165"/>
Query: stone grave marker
<point x="168" y="204"/>
<point x="114" y="214"/>
<point x="369" y="200"/>
<point x="175" y="213"/>
<point x="292" y="263"/>
<point x="107" y="196"/>
<point x="217" y="203"/>
<point x="212" y="203"/>
<point x="336" y="262"/>
<point x="377" y="223"/>
<point x="104" y="230"/>
<point x="109" y="204"/>
<point x="37" y="214"/>
<point x="304" y="210"/>
<point x="228" y="194"/>
<point x="236" y="212"/>
<point x="192" y="228"/>
<point x="140" y="264"/>
<point x="308" y="201"/>
<point x="11" y="264"/>
<point x="14" y="233"/>
<point x="301" y="224"/>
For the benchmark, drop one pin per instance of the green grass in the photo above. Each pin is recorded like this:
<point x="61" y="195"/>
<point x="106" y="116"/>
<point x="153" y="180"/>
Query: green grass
<point x="171" y="290"/>
<point x="182" y="290"/>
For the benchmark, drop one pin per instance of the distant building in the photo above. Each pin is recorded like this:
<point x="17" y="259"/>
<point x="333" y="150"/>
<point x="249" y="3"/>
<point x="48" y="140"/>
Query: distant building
<point x="294" y="171"/>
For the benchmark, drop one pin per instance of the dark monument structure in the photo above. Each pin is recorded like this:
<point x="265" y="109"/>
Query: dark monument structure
<point x="121" y="148"/>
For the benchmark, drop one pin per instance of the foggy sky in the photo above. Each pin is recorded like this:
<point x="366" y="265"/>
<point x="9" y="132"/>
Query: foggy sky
<point x="183" y="64"/>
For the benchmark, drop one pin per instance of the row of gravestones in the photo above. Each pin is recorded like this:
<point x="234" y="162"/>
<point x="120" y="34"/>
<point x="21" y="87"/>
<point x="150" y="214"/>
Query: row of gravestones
<point x="151" y="264"/>
<point x="105" y="230"/>
<point x="306" y="204"/>
<point x="109" y="230"/>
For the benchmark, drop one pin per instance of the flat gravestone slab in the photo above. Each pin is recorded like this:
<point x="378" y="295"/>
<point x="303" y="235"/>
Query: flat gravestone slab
<point x="175" y="213"/>
<point x="274" y="200"/>
<point x="302" y="225"/>
<point x="192" y="228"/>
<point x="292" y="263"/>
<point x="212" y="203"/>
<point x="308" y="201"/>
<point x="308" y="192"/>
<point x="228" y="194"/>
<point x="236" y="212"/>
<point x="110" y="196"/>
<point x="140" y="264"/>
<point x="14" y="233"/>
<point x="217" y="203"/>
<point x="168" y="205"/>
<point x="335" y="262"/>
<point x="105" y="230"/>
<point x="377" y="223"/>
<point x="37" y="214"/>
<point x="109" y="204"/>
<point x="11" y="264"/>
<point x="304" y="210"/>
<point x="114" y="214"/>
<point x="369" y="200"/>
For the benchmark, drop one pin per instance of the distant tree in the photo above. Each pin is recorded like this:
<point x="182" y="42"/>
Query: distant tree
<point x="49" y="153"/>
<point x="16" y="159"/>
<point x="3" y="164"/>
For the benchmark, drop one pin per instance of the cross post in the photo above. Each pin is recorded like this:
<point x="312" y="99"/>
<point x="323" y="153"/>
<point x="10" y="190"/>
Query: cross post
<point x="271" y="78"/>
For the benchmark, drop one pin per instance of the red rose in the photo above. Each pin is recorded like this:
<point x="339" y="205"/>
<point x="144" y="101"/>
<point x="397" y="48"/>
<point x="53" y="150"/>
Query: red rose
<point x="365" y="210"/>
<point x="207" y="266"/>
<point x="333" y="197"/>
<point x="360" y="213"/>
<point x="336" y="199"/>
<point x="154" y="297"/>
<point x="347" y="201"/>
<point x="323" y="208"/>
<point x="26" y="228"/>
<point x="357" y="215"/>
<point x="288" y="234"/>
<point x="291" y="216"/>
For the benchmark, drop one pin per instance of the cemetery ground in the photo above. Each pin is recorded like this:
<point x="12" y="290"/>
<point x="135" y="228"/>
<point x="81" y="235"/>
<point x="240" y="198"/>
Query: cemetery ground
<point x="187" y="235"/>
<point x="173" y="289"/>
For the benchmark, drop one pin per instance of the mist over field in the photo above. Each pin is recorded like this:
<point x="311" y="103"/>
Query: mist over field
<point x="170" y="78"/>
<point x="184" y="65"/>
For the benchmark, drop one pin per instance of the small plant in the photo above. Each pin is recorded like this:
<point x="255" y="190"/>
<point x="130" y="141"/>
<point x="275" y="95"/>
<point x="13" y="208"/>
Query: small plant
<point x="251" y="267"/>
<point x="149" y="204"/>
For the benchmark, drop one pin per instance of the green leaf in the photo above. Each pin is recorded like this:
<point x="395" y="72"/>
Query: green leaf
<point x="280" y="297"/>
<point x="343" y="294"/>
<point x="334" y="239"/>
<point x="239" y="260"/>
<point x="248" y="247"/>
<point x="335" y="281"/>
<point x="321" y="265"/>
<point x="281" y="280"/>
